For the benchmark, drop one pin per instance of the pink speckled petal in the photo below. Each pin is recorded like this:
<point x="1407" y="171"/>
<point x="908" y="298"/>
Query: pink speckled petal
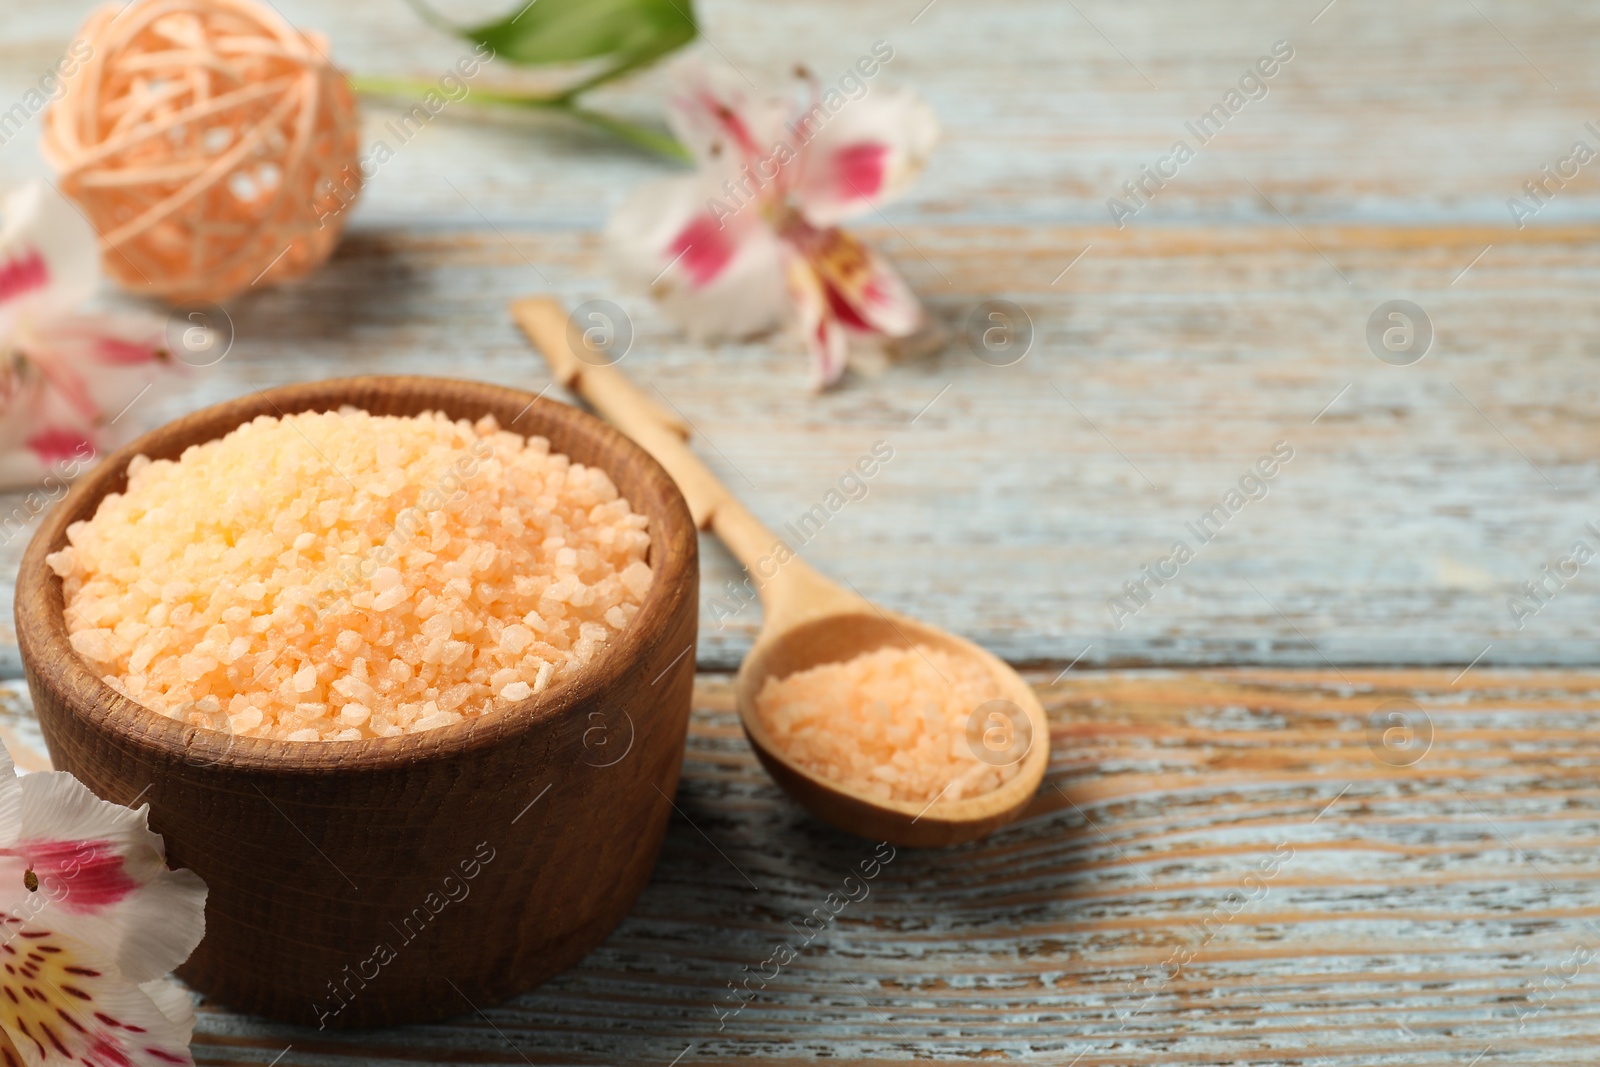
<point x="104" y="876"/>
<point x="49" y="257"/>
<point x="723" y="120"/>
<point x="864" y="156"/>
<point x="824" y="335"/>
<point x="53" y="444"/>
<point x="76" y="373"/>
<point x="864" y="292"/>
<point x="62" y="1000"/>
<point x="716" y="272"/>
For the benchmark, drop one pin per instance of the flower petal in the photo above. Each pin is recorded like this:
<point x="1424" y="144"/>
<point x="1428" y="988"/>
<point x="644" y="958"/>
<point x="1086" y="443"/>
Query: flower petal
<point x="863" y="155"/>
<point x="9" y="1054"/>
<point x="55" y="444"/>
<point x="824" y="336"/>
<point x="174" y="1002"/>
<point x="703" y="249"/>
<point x="65" y="373"/>
<point x="61" y="999"/>
<point x="10" y="800"/>
<point x="123" y="352"/>
<point x="49" y="257"/>
<point x="98" y="362"/>
<point x="723" y="120"/>
<point x="863" y="290"/>
<point x="715" y="273"/>
<point x="23" y="272"/>
<point x="76" y="374"/>
<point x="106" y="876"/>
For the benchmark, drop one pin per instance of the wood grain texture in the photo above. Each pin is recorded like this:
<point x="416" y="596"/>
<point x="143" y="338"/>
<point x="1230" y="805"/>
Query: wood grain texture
<point x="1420" y="907"/>
<point x="1223" y="318"/>
<point x="343" y="876"/>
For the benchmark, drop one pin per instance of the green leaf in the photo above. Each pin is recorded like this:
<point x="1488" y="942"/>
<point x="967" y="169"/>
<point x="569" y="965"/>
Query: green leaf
<point x="632" y="32"/>
<point x="628" y="33"/>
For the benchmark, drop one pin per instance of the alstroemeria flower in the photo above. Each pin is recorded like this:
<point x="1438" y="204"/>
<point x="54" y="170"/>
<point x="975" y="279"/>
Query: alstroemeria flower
<point x="753" y="238"/>
<point x="64" y="374"/>
<point x="91" y="923"/>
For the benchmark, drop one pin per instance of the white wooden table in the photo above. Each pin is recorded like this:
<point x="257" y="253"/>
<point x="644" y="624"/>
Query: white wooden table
<point x="1228" y="315"/>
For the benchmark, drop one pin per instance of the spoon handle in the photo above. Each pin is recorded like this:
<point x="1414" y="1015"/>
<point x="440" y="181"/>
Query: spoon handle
<point x="788" y="586"/>
<point x="545" y="322"/>
<point x="625" y="406"/>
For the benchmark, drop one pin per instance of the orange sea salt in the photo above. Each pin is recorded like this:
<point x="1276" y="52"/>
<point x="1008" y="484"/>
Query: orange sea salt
<point x="339" y="575"/>
<point x="893" y="723"/>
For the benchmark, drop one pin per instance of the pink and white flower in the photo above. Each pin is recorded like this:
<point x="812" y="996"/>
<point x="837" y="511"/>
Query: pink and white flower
<point x="65" y="374"/>
<point x="91" y="923"/>
<point x="753" y="236"/>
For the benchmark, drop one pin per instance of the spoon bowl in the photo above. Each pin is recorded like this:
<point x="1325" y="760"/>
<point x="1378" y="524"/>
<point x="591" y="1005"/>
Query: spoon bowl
<point x="807" y="621"/>
<point x="836" y="637"/>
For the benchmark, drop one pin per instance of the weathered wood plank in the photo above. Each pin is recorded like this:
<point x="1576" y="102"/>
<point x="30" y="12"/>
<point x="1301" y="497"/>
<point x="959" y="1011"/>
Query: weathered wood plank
<point x="1017" y="503"/>
<point x="1410" y="916"/>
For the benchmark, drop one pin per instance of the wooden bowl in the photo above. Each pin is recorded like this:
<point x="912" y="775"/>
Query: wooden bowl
<point x="400" y="879"/>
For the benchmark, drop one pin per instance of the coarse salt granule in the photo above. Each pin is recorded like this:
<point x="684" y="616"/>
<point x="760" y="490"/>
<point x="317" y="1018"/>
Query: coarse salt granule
<point x="892" y="723"/>
<point x="340" y="575"/>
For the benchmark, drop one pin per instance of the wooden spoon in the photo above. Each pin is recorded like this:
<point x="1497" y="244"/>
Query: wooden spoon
<point x="809" y="620"/>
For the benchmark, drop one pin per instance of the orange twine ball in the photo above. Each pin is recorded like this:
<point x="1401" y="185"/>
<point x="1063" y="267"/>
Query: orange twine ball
<point x="212" y="145"/>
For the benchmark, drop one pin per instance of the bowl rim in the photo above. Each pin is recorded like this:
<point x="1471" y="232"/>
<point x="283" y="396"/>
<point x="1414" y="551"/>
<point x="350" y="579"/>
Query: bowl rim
<point x="49" y="658"/>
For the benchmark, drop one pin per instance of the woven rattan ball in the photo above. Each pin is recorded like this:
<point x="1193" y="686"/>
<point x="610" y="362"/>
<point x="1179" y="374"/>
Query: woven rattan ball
<point x="212" y="145"/>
